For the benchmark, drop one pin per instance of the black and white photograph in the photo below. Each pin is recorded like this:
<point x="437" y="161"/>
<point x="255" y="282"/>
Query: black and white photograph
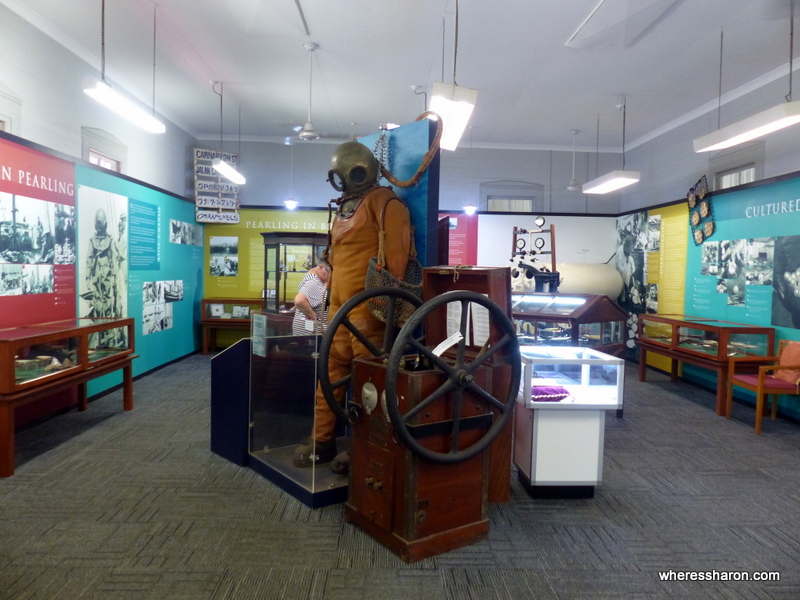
<point x="152" y="293"/>
<point x="224" y="256"/>
<point x="709" y="260"/>
<point x="27" y="230"/>
<point x="631" y="260"/>
<point x="37" y="279"/>
<point x="65" y="235"/>
<point x="786" y="282"/>
<point x="102" y="259"/>
<point x="173" y="291"/>
<point x="181" y="232"/>
<point x="153" y="318"/>
<point x="736" y="291"/>
<point x="733" y="258"/>
<point x="651" y="303"/>
<point x="157" y="299"/>
<point x="760" y="261"/>
<point x="10" y="279"/>
<point x="654" y="233"/>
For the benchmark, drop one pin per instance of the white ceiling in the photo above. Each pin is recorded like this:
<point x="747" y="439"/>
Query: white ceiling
<point x="663" y="55"/>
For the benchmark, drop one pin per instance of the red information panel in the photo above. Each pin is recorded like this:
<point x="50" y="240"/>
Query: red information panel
<point x="463" y="239"/>
<point x="37" y="236"/>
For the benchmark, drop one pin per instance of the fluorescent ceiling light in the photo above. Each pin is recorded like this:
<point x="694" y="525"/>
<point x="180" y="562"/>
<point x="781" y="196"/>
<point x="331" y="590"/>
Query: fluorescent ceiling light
<point x="610" y="182"/>
<point x="105" y="95"/>
<point x="227" y="171"/>
<point x="454" y="104"/>
<point x="772" y="119"/>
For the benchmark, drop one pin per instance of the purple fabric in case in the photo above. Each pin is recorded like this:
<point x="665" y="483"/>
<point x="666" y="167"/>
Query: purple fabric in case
<point x="548" y="393"/>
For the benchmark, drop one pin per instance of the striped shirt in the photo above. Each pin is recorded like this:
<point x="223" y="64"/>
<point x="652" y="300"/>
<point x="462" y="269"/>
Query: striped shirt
<point x="313" y="288"/>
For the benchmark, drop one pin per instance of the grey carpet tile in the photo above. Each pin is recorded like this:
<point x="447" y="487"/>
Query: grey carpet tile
<point x="113" y="505"/>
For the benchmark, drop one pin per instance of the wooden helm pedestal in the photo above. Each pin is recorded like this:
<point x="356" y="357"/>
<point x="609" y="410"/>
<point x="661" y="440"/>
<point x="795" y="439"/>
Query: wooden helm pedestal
<point x="430" y="446"/>
<point x="416" y="507"/>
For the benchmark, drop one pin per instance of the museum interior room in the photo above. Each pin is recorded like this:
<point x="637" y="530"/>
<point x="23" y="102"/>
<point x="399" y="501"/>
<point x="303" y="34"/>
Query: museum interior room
<point x="436" y="299"/>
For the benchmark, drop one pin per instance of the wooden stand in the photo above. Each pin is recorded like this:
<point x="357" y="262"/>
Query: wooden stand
<point x="495" y="282"/>
<point x="415" y="507"/>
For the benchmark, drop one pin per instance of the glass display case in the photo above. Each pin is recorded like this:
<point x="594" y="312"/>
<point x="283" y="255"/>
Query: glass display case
<point x="559" y="418"/>
<point x="283" y="382"/>
<point x="35" y="354"/>
<point x="287" y="258"/>
<point x="570" y="378"/>
<point x="227" y="314"/>
<point x="584" y="320"/>
<point x="705" y="343"/>
<point x="705" y="338"/>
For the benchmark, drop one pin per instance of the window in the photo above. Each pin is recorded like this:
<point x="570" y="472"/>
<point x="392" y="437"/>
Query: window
<point x="103" y="149"/>
<point x="738" y="165"/>
<point x="734" y="177"/>
<point x="510" y="196"/>
<point x="101" y="160"/>
<point x="10" y="110"/>
<point x="510" y="204"/>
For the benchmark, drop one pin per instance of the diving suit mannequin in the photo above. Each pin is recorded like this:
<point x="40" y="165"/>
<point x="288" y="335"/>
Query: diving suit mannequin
<point x="353" y="241"/>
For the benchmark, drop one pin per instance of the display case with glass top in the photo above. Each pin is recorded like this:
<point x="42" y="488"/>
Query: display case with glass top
<point x="705" y="343"/>
<point x="705" y="338"/>
<point x="570" y="378"/>
<point x="583" y="320"/>
<point x="559" y="418"/>
<point x="31" y="355"/>
<point x="287" y="258"/>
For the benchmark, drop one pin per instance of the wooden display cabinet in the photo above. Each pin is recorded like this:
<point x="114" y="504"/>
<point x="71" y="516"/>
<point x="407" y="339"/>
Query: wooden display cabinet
<point x="37" y="361"/>
<point x="287" y="258"/>
<point x="706" y="343"/>
<point x="225" y="313"/>
<point x="578" y="320"/>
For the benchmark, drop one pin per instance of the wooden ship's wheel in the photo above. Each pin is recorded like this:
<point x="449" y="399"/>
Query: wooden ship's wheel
<point x="422" y="419"/>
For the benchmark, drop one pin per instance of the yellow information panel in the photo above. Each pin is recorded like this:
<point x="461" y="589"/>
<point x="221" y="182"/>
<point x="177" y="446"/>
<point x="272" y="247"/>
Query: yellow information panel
<point x="234" y="253"/>
<point x="667" y="267"/>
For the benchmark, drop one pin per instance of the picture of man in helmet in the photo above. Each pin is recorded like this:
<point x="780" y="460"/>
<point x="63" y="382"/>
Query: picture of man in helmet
<point x="103" y="264"/>
<point x="353" y="241"/>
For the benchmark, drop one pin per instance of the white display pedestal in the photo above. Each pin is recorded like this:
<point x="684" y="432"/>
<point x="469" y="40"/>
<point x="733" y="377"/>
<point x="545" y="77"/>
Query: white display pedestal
<point x="558" y="445"/>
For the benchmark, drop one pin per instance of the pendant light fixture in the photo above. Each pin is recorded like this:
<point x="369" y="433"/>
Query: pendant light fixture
<point x="453" y="103"/>
<point x="758" y="125"/>
<point x="225" y="169"/>
<point x="113" y="100"/>
<point x="574" y="186"/>
<point x="614" y="180"/>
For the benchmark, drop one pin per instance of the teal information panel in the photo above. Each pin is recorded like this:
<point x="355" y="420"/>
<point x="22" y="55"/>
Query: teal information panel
<point x="157" y="263"/>
<point x="748" y="270"/>
<point x="145" y="250"/>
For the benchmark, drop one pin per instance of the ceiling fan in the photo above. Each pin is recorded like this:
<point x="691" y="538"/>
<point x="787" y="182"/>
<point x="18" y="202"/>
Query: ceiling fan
<point x="574" y="186"/>
<point x="308" y="133"/>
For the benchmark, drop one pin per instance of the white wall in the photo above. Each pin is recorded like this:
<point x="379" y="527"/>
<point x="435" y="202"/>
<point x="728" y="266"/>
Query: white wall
<point x="579" y="239"/>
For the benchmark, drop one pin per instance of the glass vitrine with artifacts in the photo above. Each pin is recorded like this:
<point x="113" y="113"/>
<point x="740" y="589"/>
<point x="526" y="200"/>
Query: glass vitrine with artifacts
<point x="704" y="338"/>
<point x="580" y="320"/>
<point x="287" y="258"/>
<point x="559" y="418"/>
<point x="33" y="355"/>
